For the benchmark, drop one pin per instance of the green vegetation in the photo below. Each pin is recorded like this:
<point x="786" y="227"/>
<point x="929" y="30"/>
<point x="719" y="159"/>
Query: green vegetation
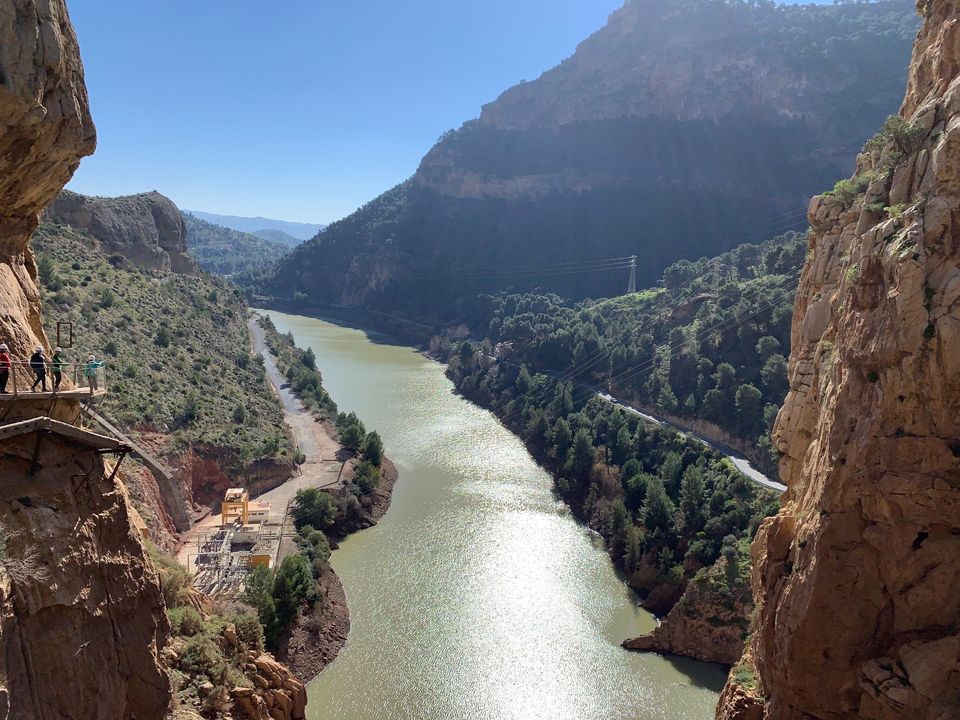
<point x="210" y="648"/>
<point x="666" y="505"/>
<point x="222" y="251"/>
<point x="896" y="139"/>
<point x="176" y="347"/>
<point x="847" y="191"/>
<point x="709" y="345"/>
<point x="299" y="367"/>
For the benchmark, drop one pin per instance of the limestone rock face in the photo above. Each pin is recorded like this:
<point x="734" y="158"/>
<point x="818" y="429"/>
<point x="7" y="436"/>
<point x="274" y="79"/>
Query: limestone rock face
<point x="277" y="694"/>
<point x="45" y="128"/>
<point x="147" y="229"/>
<point x="708" y="623"/>
<point x="81" y="615"/>
<point x="857" y="580"/>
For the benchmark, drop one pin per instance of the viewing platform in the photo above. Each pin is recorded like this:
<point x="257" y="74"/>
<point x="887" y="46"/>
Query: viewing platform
<point x="81" y="393"/>
<point x="79" y="381"/>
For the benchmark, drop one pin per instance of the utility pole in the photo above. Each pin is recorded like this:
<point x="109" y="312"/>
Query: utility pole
<point x="632" y="284"/>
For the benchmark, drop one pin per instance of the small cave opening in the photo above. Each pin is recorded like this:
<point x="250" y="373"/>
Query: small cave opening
<point x="918" y="541"/>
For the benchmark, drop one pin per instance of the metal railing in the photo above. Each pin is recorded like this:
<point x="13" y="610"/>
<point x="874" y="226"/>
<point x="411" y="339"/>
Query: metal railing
<point x="23" y="377"/>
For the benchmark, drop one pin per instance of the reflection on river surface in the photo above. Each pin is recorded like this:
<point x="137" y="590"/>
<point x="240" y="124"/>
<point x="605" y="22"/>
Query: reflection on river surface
<point x="478" y="595"/>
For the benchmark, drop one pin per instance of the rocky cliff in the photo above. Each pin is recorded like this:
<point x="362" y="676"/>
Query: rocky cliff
<point x="662" y="132"/>
<point x="45" y="128"/>
<point x="710" y="620"/>
<point x="81" y="618"/>
<point x="857" y="580"/>
<point x="147" y="229"/>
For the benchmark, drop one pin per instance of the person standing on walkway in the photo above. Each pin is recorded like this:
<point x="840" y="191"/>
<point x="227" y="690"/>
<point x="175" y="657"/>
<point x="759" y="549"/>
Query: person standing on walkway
<point x="4" y="367"/>
<point x="57" y="362"/>
<point x="38" y="363"/>
<point x="90" y="371"/>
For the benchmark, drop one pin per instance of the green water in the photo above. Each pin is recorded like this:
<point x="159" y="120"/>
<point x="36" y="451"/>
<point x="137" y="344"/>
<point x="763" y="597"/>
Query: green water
<point x="478" y="595"/>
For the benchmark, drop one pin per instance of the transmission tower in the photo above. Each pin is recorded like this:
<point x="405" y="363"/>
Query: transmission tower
<point x="632" y="284"/>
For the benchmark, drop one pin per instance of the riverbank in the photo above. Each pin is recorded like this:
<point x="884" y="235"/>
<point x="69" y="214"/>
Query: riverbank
<point x="315" y="639"/>
<point x="478" y="594"/>
<point x="675" y="513"/>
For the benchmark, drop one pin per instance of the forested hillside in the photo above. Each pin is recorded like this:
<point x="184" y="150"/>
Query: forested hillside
<point x="707" y="343"/>
<point x="679" y="130"/>
<point x="180" y="373"/>
<point x="222" y="251"/>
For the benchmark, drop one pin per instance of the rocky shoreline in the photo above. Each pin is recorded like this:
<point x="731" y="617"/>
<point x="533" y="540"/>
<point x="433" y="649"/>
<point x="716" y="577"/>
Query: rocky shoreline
<point x="316" y="639"/>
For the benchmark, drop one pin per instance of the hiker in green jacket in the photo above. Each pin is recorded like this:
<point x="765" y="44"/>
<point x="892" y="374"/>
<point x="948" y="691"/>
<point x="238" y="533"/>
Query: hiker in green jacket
<point x="57" y="362"/>
<point x="90" y="371"/>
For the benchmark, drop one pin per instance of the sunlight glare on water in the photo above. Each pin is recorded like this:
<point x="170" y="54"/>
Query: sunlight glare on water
<point x="478" y="595"/>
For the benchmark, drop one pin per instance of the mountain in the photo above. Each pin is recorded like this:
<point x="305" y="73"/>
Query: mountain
<point x="298" y="230"/>
<point x="279" y="236"/>
<point x="680" y="129"/>
<point x="146" y="229"/>
<point x="224" y="251"/>
<point x="857" y="579"/>
<point x="182" y="379"/>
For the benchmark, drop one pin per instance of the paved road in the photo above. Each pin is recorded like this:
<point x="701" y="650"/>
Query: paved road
<point x="743" y="465"/>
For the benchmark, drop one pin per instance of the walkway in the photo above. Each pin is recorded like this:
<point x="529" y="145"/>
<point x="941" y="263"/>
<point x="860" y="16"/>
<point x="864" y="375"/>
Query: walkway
<point x="172" y="494"/>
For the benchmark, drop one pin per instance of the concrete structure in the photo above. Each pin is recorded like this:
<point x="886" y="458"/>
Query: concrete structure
<point x="259" y="511"/>
<point x="235" y="506"/>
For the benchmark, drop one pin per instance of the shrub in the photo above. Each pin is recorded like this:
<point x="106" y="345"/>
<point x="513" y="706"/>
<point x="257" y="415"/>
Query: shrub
<point x="249" y="631"/>
<point x="373" y="448"/>
<point x="351" y="436"/>
<point x="185" y="621"/>
<point x="313" y="507"/>
<point x="313" y="624"/>
<point x="174" y="578"/>
<point x="162" y="337"/>
<point x="366" y="476"/>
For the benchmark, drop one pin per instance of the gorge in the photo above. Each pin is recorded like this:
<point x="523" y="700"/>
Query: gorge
<point x="478" y="595"/>
<point x="496" y="586"/>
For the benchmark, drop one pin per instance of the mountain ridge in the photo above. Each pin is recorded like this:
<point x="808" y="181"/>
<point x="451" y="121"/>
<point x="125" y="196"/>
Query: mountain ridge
<point x="656" y="137"/>
<point x="299" y="230"/>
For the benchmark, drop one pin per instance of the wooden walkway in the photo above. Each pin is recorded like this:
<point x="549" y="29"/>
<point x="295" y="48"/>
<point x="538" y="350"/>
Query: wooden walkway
<point x="78" y="394"/>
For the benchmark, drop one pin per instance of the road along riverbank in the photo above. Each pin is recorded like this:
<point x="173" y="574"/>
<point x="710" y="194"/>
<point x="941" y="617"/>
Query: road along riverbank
<point x="478" y="595"/>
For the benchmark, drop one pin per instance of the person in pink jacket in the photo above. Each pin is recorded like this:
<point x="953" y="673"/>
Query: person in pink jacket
<point x="4" y="367"/>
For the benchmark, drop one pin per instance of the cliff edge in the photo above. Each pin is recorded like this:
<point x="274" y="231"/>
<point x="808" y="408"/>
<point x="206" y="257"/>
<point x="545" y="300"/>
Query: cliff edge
<point x="45" y="128"/>
<point x="81" y="616"/>
<point x="857" y="579"/>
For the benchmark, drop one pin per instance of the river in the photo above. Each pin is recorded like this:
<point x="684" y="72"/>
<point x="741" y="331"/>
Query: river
<point x="478" y="595"/>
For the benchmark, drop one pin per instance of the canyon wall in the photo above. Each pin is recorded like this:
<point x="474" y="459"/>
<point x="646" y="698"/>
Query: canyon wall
<point x="657" y="137"/>
<point x="45" y="128"/>
<point x="81" y="617"/>
<point x="857" y="579"/>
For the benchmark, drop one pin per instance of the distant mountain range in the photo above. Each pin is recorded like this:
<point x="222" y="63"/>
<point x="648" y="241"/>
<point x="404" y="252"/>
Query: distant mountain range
<point x="225" y="251"/>
<point x="679" y="130"/>
<point x="289" y="233"/>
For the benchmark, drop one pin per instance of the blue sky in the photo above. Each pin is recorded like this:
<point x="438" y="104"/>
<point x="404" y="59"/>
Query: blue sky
<point x="305" y="112"/>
